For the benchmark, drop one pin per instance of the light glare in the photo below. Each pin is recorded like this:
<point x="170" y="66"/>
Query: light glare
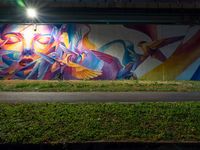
<point x="31" y="13"/>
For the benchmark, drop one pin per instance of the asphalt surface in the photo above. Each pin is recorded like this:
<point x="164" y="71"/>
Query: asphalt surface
<point x="75" y="97"/>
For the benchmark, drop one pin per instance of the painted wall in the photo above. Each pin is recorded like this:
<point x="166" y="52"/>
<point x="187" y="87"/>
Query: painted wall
<point x="81" y="51"/>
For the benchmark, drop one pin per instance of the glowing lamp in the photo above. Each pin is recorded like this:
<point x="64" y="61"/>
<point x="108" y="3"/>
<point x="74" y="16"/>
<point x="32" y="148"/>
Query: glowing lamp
<point x="31" y="13"/>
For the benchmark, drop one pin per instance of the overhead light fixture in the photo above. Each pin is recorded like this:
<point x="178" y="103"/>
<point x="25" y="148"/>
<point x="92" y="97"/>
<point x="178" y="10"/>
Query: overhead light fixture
<point x="31" y="13"/>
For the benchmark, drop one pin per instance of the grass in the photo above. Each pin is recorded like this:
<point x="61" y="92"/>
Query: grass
<point x="61" y="122"/>
<point x="88" y="86"/>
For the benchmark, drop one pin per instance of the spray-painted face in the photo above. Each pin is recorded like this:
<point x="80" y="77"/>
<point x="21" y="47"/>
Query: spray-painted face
<point x="28" y="41"/>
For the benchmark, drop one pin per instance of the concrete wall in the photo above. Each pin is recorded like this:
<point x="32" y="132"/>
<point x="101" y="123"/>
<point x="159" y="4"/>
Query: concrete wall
<point x="99" y="51"/>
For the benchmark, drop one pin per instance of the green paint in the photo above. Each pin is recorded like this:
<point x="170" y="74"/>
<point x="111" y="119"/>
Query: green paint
<point x="20" y="3"/>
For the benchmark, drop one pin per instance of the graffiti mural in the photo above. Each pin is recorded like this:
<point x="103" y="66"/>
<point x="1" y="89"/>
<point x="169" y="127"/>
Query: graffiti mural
<point x="99" y="52"/>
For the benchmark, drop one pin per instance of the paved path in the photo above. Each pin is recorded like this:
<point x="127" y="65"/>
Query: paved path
<point x="74" y="97"/>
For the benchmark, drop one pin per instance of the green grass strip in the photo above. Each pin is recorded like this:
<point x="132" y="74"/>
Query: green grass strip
<point x="106" y="86"/>
<point x="61" y="122"/>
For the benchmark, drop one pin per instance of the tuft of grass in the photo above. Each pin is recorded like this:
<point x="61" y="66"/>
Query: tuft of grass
<point x="61" y="122"/>
<point x="99" y="85"/>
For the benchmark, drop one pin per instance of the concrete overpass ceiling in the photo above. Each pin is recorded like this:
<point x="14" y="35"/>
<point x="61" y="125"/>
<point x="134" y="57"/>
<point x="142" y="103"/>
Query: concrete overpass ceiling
<point x="103" y="11"/>
<point x="109" y="3"/>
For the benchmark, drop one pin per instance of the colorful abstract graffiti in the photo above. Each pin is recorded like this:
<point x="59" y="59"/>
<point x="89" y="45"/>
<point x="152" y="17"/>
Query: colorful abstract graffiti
<point x="99" y="52"/>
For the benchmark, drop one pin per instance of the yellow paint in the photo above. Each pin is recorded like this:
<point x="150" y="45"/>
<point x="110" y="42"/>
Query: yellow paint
<point x="78" y="71"/>
<point x="65" y="39"/>
<point x="185" y="55"/>
<point x="87" y="43"/>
